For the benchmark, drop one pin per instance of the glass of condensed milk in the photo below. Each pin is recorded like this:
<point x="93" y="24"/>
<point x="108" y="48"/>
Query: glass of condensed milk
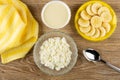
<point x="56" y="14"/>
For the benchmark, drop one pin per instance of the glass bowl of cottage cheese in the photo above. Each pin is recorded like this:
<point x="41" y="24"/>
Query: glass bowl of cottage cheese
<point x="55" y="53"/>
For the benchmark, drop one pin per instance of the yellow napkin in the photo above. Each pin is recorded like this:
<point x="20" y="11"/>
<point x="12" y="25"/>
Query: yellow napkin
<point x="18" y="30"/>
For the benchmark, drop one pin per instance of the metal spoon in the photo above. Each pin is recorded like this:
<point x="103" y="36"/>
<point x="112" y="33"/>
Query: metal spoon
<point x="92" y="55"/>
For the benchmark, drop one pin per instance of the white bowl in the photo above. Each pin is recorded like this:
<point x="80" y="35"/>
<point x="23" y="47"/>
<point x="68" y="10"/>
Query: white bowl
<point x="66" y="19"/>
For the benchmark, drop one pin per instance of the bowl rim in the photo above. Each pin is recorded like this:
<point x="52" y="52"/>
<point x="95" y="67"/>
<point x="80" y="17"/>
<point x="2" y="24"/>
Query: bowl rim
<point x="75" y="47"/>
<point x="51" y="2"/>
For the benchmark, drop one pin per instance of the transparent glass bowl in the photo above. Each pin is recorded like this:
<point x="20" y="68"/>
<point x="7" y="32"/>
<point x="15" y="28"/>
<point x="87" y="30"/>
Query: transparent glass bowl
<point x="73" y="48"/>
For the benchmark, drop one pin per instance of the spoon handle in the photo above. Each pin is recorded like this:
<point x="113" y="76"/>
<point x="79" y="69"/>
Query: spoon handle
<point x="111" y="66"/>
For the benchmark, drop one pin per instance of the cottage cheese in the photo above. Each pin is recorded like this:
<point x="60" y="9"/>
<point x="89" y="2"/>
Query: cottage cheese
<point x="55" y="53"/>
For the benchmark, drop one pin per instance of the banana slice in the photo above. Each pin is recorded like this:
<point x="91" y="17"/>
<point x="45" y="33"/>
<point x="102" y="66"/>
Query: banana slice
<point x="102" y="31"/>
<point x="85" y="29"/>
<point x="95" y="7"/>
<point x="88" y="9"/>
<point x="83" y="23"/>
<point x="103" y="9"/>
<point x="106" y="26"/>
<point x="97" y="34"/>
<point x="85" y="15"/>
<point x="91" y="32"/>
<point x="106" y="17"/>
<point x="96" y="21"/>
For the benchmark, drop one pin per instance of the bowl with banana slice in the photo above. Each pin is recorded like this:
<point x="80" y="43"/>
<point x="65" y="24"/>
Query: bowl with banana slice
<point x="95" y="21"/>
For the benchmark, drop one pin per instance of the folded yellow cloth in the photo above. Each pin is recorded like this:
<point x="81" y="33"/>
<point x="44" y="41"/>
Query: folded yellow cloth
<point x="18" y="30"/>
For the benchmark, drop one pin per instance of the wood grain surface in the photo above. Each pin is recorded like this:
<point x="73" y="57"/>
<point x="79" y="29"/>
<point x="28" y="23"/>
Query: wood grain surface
<point x="25" y="69"/>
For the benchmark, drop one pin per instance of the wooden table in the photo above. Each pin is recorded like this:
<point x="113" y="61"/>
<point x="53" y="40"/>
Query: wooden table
<point x="25" y="69"/>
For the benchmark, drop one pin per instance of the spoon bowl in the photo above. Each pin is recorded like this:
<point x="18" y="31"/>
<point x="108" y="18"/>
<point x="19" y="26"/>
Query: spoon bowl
<point x="91" y="55"/>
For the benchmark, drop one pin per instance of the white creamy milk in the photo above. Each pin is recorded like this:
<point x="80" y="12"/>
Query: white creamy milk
<point x="56" y="14"/>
